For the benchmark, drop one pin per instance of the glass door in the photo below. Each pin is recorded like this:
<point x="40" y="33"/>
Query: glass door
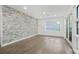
<point x="69" y="28"/>
<point x="77" y="29"/>
<point x="77" y="21"/>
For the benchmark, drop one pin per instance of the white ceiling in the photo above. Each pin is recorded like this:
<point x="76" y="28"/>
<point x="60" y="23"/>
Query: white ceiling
<point x="44" y="11"/>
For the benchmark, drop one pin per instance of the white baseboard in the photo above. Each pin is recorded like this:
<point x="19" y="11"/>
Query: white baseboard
<point x="75" y="51"/>
<point x="50" y="34"/>
<point x="69" y="42"/>
<point x="18" y="40"/>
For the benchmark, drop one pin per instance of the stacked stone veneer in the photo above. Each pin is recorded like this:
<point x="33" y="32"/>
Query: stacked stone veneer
<point x="17" y="25"/>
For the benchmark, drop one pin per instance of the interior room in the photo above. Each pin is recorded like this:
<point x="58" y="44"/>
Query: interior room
<point x="39" y="29"/>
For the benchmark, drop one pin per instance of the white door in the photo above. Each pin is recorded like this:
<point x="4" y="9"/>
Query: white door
<point x="77" y="29"/>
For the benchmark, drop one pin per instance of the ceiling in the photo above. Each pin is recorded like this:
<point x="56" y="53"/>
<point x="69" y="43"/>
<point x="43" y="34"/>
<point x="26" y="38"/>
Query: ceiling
<point x="44" y="11"/>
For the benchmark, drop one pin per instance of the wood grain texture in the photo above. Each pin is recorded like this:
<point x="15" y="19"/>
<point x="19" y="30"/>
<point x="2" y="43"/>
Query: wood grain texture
<point x="38" y="45"/>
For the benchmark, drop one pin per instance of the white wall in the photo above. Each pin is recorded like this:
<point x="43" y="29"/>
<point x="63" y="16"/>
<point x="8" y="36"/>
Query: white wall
<point x="0" y="22"/>
<point x="41" y="25"/>
<point x="74" y="28"/>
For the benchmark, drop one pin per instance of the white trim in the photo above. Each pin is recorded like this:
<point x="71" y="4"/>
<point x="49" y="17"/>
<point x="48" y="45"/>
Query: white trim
<point x="77" y="36"/>
<point x="69" y="42"/>
<point x="18" y="40"/>
<point x="49" y="35"/>
<point x="75" y="51"/>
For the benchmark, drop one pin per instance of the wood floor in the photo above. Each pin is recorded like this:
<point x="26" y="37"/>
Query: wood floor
<point x="38" y="45"/>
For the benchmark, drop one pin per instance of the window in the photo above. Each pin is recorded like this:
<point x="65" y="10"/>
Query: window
<point x="78" y="12"/>
<point x="52" y="26"/>
<point x="77" y="24"/>
<point x="67" y="26"/>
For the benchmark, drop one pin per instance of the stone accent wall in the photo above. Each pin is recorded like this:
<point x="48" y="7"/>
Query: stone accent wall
<point x="17" y="25"/>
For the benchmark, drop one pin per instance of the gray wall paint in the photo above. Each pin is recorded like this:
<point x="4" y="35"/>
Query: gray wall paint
<point x="17" y="25"/>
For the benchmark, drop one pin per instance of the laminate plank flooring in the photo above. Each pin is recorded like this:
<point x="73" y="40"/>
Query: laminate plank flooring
<point x="38" y="45"/>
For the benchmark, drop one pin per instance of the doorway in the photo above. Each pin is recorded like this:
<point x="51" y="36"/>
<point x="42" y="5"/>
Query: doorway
<point x="69" y="28"/>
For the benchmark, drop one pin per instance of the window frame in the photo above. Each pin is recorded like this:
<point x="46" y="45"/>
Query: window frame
<point x="77" y="22"/>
